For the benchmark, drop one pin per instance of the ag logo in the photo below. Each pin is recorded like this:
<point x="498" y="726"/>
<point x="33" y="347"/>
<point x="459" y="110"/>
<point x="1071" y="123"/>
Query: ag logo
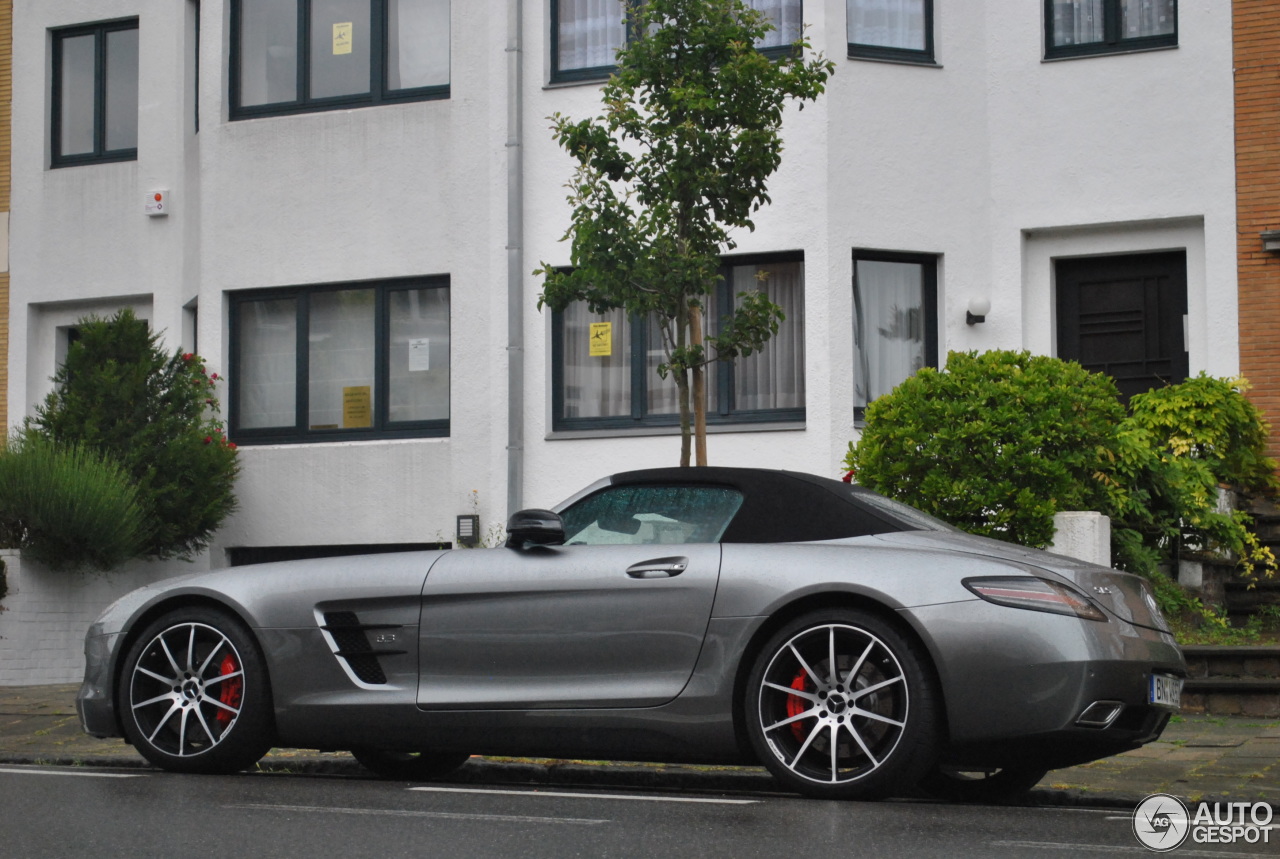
<point x="1161" y="822"/>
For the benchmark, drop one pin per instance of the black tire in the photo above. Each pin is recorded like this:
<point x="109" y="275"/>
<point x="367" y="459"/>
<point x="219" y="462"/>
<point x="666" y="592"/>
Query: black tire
<point x="194" y="695"/>
<point x="409" y="766"/>
<point x="994" y="784"/>
<point x="879" y="705"/>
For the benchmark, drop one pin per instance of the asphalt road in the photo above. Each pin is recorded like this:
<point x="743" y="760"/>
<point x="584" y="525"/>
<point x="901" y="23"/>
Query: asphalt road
<point x="64" y="812"/>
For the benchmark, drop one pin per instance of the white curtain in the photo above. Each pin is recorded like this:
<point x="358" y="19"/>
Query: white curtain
<point x="596" y="386"/>
<point x="786" y="17"/>
<point x="1078" y="22"/>
<point x="418" y="42"/>
<point x="268" y="51"/>
<point x="888" y="326"/>
<point x="268" y="392"/>
<point x="773" y="378"/>
<point x="590" y="33"/>
<point x="341" y="359"/>
<point x="1147" y="18"/>
<point x="418" y="381"/>
<point x="887" y="23"/>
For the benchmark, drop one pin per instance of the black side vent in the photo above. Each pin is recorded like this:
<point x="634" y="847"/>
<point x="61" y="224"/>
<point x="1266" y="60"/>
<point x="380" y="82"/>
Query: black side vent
<point x="353" y="644"/>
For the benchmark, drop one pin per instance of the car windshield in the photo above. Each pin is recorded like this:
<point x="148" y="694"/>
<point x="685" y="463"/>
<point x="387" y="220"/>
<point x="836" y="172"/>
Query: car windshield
<point x="636" y="515"/>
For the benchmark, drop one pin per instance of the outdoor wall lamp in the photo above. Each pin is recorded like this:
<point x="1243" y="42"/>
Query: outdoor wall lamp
<point x="1271" y="240"/>
<point x="978" y="310"/>
<point x="469" y="530"/>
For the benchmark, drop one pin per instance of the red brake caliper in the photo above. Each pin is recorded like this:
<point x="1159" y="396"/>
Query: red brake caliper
<point x="231" y="691"/>
<point x="797" y="705"/>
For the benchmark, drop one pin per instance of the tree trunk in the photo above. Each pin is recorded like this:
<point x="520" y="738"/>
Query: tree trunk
<point x="682" y="387"/>
<point x="699" y="389"/>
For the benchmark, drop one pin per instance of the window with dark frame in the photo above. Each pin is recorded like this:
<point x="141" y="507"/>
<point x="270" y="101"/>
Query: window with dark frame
<point x="895" y="321"/>
<point x="1081" y="28"/>
<point x="897" y="30"/>
<point x="586" y="34"/>
<point x="94" y="115"/>
<point x="297" y="56"/>
<point x="604" y="366"/>
<point x="340" y="362"/>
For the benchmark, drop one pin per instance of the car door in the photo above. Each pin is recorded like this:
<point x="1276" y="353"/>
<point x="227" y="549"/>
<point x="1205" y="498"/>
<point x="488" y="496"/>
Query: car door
<point x="614" y="618"/>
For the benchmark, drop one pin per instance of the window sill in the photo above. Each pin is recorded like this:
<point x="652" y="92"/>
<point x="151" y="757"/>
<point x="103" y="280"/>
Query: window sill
<point x="1089" y="55"/>
<point x="363" y="442"/>
<point x="714" y="429"/>
<point x="919" y="62"/>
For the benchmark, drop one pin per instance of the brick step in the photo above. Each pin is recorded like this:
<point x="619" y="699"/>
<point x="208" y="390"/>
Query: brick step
<point x="1232" y="681"/>
<point x="1233" y="685"/>
<point x="1242" y="600"/>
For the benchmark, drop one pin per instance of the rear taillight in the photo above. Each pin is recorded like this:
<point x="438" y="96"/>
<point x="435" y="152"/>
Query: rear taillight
<point x="1035" y="594"/>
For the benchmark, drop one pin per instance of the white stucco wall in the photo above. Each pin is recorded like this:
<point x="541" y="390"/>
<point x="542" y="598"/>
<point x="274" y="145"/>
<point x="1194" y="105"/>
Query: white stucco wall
<point x="995" y="161"/>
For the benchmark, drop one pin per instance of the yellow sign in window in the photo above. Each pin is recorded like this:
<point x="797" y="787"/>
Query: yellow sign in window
<point x="341" y="38"/>
<point x="601" y="339"/>
<point x="357" y="406"/>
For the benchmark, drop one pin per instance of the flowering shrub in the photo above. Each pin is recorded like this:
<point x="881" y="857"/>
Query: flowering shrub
<point x="156" y="414"/>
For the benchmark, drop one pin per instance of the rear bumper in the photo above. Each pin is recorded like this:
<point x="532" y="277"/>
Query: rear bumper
<point x="1016" y="683"/>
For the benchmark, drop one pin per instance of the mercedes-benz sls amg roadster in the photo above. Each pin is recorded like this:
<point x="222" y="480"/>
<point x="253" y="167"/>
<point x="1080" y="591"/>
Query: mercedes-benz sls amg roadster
<point x="852" y="645"/>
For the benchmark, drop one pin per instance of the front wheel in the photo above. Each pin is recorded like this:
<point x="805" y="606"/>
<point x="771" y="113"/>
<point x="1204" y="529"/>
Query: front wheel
<point x="993" y="784"/>
<point x="841" y="705"/>
<point x="194" y="694"/>
<point x="409" y="766"/>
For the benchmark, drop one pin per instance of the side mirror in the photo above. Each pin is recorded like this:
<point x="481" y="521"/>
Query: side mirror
<point x="540" y="527"/>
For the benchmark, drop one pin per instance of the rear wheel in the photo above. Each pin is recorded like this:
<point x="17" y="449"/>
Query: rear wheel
<point x="194" y="695"/>
<point x="409" y="766"/>
<point x="840" y="705"/>
<point x="991" y="784"/>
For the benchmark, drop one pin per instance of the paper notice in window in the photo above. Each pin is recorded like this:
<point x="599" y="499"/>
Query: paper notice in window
<point x="419" y="355"/>
<point x="357" y="406"/>
<point x="601" y="340"/>
<point x="341" y="38"/>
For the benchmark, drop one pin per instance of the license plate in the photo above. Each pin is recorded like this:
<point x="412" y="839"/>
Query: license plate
<point x="1165" y="691"/>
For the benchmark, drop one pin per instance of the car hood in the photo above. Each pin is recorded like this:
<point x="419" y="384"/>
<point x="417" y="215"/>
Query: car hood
<point x="1124" y="595"/>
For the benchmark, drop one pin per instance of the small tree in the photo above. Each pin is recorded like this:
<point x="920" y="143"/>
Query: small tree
<point x="690" y="134"/>
<point x="120" y="394"/>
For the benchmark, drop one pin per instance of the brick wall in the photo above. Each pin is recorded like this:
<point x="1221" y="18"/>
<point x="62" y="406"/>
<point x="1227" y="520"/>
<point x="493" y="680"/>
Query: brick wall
<point x="1257" y="115"/>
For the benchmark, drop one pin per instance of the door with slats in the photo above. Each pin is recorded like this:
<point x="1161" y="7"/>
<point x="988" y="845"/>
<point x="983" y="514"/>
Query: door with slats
<point x="1123" y="316"/>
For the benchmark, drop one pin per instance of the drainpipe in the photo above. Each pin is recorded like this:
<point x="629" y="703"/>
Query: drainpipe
<point x="515" y="259"/>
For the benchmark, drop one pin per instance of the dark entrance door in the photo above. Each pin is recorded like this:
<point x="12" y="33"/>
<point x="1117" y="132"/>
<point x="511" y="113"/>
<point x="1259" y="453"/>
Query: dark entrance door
<point x="1123" y="316"/>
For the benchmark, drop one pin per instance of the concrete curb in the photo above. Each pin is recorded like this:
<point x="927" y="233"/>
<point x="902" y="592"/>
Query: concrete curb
<point x="479" y="771"/>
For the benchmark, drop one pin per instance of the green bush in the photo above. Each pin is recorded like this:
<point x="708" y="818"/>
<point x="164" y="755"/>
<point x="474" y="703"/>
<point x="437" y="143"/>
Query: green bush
<point x="1189" y="440"/>
<point x="120" y="394"/>
<point x="996" y="443"/>
<point x="68" y="507"/>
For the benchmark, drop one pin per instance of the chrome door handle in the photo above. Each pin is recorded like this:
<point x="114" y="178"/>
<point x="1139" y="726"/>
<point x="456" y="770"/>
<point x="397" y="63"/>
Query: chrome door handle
<point x="658" y="568"/>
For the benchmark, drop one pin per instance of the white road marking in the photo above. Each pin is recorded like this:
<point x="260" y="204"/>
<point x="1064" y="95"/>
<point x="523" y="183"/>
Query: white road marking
<point x="1108" y="848"/>
<point x="535" y="792"/>
<point x="449" y="815"/>
<point x="34" y="771"/>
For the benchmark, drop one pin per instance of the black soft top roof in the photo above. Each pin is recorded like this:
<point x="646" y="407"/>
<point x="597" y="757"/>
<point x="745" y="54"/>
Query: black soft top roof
<point x="782" y="506"/>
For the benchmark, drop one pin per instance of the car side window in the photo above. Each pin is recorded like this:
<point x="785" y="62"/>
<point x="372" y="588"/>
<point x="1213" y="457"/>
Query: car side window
<point x="657" y="515"/>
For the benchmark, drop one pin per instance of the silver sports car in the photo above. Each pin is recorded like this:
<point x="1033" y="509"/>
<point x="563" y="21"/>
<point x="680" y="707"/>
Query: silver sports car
<point x="854" y="646"/>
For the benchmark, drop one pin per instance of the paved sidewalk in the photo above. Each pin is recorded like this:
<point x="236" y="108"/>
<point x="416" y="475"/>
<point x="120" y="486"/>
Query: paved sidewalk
<point x="1226" y="758"/>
